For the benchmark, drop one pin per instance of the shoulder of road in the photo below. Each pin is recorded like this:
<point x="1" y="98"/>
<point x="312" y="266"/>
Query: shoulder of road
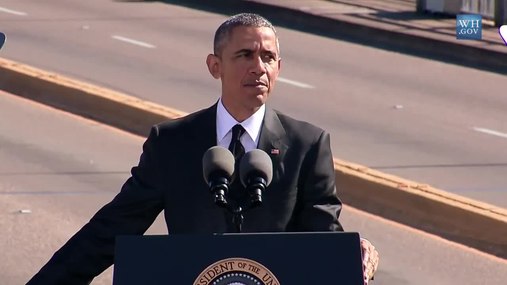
<point x="456" y="218"/>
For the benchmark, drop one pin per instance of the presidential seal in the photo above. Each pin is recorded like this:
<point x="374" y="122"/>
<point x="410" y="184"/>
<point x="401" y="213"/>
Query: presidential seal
<point x="236" y="271"/>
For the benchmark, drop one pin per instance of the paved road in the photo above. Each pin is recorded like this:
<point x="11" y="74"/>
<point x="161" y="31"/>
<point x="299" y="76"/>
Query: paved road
<point x="62" y="168"/>
<point x="435" y="123"/>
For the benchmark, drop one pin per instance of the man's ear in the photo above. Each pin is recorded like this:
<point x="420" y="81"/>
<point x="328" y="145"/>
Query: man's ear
<point x="213" y="63"/>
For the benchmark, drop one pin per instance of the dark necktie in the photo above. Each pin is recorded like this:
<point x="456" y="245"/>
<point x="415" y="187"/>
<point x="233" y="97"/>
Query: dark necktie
<point x="235" y="146"/>
<point x="238" y="151"/>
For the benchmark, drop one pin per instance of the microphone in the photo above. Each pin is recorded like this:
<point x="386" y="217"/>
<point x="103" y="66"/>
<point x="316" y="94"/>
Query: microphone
<point x="256" y="172"/>
<point x="2" y="39"/>
<point x="218" y="167"/>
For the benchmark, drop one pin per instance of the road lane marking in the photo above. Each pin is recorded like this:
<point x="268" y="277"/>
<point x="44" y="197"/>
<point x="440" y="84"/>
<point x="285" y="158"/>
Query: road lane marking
<point x="490" y="132"/>
<point x="14" y="12"/>
<point x="132" y="41"/>
<point x="295" y="83"/>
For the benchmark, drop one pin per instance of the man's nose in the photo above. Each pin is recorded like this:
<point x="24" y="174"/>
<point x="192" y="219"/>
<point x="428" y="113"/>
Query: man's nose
<point x="259" y="66"/>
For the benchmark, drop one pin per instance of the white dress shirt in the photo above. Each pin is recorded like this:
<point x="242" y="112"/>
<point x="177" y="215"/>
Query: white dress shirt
<point x="252" y="126"/>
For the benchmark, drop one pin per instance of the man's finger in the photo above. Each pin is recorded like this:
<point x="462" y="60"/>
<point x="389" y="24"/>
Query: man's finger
<point x="370" y="259"/>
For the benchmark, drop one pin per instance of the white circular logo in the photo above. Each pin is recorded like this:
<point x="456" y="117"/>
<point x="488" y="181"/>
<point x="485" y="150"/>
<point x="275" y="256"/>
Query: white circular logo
<point x="236" y="271"/>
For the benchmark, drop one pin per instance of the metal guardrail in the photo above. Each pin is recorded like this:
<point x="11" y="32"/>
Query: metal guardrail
<point x="486" y="8"/>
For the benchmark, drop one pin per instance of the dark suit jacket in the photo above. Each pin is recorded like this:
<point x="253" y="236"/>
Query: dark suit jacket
<point x="301" y="196"/>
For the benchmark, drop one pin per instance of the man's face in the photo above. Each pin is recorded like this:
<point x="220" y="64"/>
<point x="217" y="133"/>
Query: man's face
<point x="248" y="67"/>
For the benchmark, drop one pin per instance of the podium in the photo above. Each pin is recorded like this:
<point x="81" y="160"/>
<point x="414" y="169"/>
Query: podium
<point x="239" y="259"/>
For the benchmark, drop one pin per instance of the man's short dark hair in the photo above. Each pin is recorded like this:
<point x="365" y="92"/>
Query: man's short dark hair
<point x="240" y="20"/>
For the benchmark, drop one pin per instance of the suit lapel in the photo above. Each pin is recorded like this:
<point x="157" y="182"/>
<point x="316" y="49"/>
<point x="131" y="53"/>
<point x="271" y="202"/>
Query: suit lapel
<point x="273" y="140"/>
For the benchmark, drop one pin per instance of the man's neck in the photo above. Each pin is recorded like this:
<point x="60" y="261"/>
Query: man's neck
<point x="238" y="113"/>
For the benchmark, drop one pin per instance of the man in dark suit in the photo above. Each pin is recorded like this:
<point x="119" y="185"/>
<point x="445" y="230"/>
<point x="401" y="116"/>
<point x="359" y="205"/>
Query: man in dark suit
<point x="2" y="39"/>
<point x="301" y="196"/>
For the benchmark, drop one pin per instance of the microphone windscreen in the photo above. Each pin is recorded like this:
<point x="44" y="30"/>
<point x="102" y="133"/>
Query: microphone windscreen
<point x="219" y="160"/>
<point x="256" y="162"/>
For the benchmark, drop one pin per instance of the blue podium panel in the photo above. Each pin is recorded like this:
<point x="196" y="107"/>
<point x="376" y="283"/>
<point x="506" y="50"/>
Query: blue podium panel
<point x="239" y="259"/>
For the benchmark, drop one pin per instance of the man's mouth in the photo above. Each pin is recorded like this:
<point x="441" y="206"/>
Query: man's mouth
<point x="256" y="84"/>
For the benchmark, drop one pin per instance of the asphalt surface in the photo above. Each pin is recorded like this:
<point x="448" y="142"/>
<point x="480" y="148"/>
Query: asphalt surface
<point x="62" y="168"/>
<point x="424" y="120"/>
<point x="58" y="170"/>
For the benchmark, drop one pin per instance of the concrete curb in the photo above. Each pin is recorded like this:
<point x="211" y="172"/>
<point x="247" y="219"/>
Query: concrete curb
<point x="467" y="221"/>
<point x="104" y="105"/>
<point x="463" y="220"/>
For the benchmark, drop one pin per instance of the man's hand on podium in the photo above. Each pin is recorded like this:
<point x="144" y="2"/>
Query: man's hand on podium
<point x="370" y="260"/>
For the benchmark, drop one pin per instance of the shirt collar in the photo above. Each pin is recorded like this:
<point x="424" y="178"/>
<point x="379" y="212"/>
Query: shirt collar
<point x="252" y="125"/>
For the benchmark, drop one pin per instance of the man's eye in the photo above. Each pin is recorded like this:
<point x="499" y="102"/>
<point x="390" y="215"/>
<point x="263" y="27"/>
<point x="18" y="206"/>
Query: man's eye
<point x="245" y="54"/>
<point x="268" y="58"/>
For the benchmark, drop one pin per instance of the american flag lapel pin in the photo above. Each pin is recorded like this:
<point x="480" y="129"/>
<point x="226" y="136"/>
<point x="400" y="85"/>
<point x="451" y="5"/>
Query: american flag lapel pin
<point x="275" y="151"/>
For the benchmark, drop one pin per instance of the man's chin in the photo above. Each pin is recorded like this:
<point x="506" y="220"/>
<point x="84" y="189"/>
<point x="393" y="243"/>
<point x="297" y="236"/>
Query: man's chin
<point x="261" y="98"/>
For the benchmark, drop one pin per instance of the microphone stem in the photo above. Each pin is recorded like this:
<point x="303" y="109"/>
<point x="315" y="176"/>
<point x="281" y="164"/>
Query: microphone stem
<point x="237" y="218"/>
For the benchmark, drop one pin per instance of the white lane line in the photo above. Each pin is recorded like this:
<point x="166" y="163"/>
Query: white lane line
<point x="132" y="41"/>
<point x="295" y="83"/>
<point x="14" y="12"/>
<point x="490" y="132"/>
